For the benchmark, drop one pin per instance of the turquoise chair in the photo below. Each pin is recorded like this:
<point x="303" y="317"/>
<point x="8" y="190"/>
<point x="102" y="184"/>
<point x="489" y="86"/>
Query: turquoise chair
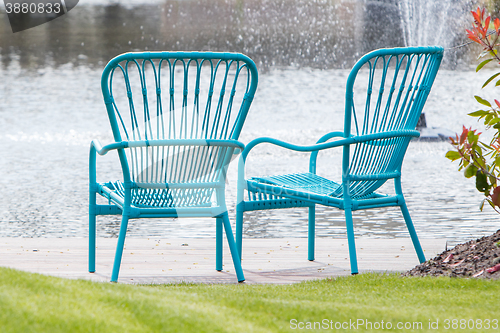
<point x="175" y="118"/>
<point x="385" y="93"/>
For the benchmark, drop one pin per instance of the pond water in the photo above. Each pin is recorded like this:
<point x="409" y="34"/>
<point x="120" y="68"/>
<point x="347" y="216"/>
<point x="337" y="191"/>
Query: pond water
<point x="51" y="108"/>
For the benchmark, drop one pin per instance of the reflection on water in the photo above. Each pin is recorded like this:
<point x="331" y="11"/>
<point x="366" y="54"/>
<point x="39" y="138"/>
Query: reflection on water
<point x="319" y="33"/>
<point x="51" y="108"/>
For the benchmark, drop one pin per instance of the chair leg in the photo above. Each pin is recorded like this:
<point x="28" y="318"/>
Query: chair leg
<point x="232" y="248"/>
<point x="311" y="233"/>
<point x="351" y="242"/>
<point x="92" y="232"/>
<point x="218" y="244"/>
<point x="239" y="231"/>
<point x="413" y="233"/>
<point x="92" y="236"/>
<point x="119" y="249"/>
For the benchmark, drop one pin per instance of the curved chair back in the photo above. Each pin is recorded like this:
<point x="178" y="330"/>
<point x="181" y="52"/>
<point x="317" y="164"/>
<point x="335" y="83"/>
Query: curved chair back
<point x="386" y="91"/>
<point x="174" y="110"/>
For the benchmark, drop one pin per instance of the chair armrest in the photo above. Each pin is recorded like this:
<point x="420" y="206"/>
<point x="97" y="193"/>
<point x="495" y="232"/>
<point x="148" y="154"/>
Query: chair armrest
<point x="329" y="136"/>
<point x="327" y="145"/>
<point x="96" y="147"/>
<point x="321" y="146"/>
<point x="96" y="144"/>
<point x="314" y="155"/>
<point x="187" y="142"/>
<point x="162" y="143"/>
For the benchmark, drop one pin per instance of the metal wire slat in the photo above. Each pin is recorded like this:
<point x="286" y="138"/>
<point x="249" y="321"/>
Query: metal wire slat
<point x="402" y="85"/>
<point x="220" y="103"/>
<point x="208" y="106"/>
<point x="239" y="121"/>
<point x="115" y="107"/>
<point x="406" y="88"/>
<point x="183" y="131"/>
<point x="381" y="89"/>
<point x="160" y="150"/>
<point x="227" y="116"/>
<point x="147" y="121"/>
<point x="422" y="92"/>
<point x="412" y="90"/>
<point x="381" y="165"/>
<point x="192" y="166"/>
<point x="390" y="106"/>
<point x="196" y="107"/>
<point x="425" y="87"/>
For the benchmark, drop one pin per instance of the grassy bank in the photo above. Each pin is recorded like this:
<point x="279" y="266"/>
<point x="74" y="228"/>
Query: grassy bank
<point x="35" y="303"/>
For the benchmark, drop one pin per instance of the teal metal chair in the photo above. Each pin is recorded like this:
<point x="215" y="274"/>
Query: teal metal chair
<point x="385" y="93"/>
<point x="175" y="118"/>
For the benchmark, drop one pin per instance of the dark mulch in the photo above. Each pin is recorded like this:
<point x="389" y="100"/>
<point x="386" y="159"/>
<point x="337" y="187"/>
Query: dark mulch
<point x="478" y="258"/>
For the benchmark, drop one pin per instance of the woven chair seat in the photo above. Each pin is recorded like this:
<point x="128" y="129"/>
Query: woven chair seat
<point x="312" y="183"/>
<point x="307" y="182"/>
<point x="166" y="198"/>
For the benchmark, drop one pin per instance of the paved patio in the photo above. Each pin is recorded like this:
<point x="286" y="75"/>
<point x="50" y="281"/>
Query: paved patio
<point x="280" y="260"/>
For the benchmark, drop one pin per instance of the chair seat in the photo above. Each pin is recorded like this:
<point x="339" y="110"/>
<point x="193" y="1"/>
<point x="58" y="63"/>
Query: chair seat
<point x="311" y="183"/>
<point x="304" y="182"/>
<point x="164" y="198"/>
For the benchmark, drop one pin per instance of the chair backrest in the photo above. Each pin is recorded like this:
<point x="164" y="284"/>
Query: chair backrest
<point x="177" y="96"/>
<point x="386" y="92"/>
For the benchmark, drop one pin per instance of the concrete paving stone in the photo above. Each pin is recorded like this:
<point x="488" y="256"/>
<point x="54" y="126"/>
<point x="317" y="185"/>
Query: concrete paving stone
<point x="154" y="261"/>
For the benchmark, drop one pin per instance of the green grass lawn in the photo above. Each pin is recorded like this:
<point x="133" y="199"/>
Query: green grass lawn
<point x="36" y="303"/>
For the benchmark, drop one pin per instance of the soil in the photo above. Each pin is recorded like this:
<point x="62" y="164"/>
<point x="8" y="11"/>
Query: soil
<point x="478" y="258"/>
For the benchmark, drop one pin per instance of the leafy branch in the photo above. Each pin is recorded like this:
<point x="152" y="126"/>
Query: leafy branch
<point x="476" y="158"/>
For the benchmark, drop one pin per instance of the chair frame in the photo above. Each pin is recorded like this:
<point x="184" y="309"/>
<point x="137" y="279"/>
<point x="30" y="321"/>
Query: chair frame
<point x="123" y="205"/>
<point x="272" y="196"/>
